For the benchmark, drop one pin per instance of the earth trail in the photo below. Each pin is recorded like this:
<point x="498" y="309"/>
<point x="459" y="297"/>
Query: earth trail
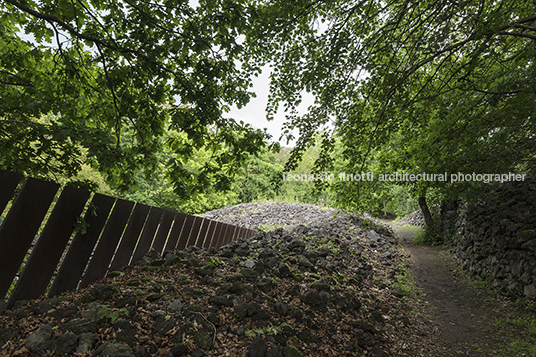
<point x="458" y="311"/>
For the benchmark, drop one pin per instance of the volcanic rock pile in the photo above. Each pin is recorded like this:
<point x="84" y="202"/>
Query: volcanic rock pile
<point x="414" y="219"/>
<point x="326" y="288"/>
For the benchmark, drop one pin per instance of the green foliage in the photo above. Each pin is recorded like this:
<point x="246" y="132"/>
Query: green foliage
<point x="429" y="236"/>
<point x="80" y="226"/>
<point x="270" y="227"/>
<point x="111" y="314"/>
<point x="215" y="262"/>
<point x="256" y="181"/>
<point x="87" y="83"/>
<point x="409" y="87"/>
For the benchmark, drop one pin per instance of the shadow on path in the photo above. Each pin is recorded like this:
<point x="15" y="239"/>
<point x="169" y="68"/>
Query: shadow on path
<point x="458" y="309"/>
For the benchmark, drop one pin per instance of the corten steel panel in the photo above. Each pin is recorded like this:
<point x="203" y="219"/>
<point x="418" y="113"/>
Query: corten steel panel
<point x="227" y="231"/>
<point x="175" y="231"/>
<point x="229" y="236"/>
<point x="202" y="233"/>
<point x="210" y="234"/>
<point x="75" y="261"/>
<point x="251" y="233"/>
<point x="8" y="183"/>
<point x="163" y="231"/>
<point x="196" y="227"/>
<point x="147" y="236"/>
<point x="185" y="233"/>
<point x="21" y="225"/>
<point x="239" y="233"/>
<point x="130" y="237"/>
<point x="50" y="246"/>
<point x="217" y="233"/>
<point x="108" y="242"/>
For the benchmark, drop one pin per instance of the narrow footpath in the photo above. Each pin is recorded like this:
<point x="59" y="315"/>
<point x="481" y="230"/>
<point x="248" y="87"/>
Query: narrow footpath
<point x="461" y="319"/>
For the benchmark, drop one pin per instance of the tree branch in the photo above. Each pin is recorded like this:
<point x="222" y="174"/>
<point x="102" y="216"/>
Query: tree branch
<point x="66" y="26"/>
<point x="24" y="82"/>
<point x="517" y="34"/>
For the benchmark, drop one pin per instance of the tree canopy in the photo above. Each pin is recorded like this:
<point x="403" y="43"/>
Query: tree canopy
<point x="100" y="82"/>
<point x="427" y="86"/>
<point x="399" y="85"/>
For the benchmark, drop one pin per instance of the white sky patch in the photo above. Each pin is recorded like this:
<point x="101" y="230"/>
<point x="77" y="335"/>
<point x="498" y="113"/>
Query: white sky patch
<point x="255" y="112"/>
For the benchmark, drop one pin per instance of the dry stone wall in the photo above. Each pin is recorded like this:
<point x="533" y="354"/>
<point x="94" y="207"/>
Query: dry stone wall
<point x="496" y="238"/>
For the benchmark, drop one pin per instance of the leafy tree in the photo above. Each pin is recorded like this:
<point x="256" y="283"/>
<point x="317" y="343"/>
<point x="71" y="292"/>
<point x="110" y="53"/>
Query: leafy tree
<point x="256" y="181"/>
<point x="103" y="70"/>
<point x="430" y="86"/>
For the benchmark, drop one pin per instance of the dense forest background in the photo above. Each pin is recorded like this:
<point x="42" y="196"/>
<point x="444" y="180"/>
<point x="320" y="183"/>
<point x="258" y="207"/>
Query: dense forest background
<point x="133" y="98"/>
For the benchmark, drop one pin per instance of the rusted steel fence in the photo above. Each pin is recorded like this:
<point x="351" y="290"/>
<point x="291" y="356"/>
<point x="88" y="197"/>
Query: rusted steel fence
<point x="111" y="234"/>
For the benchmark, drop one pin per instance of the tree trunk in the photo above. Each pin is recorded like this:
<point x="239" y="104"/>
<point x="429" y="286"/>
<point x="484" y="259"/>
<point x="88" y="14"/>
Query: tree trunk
<point x="425" y="211"/>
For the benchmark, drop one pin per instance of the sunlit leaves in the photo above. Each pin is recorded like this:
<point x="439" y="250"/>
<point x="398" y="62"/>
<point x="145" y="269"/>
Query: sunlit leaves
<point x="416" y="85"/>
<point x="117" y="75"/>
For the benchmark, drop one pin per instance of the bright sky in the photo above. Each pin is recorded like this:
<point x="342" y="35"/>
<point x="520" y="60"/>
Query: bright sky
<point x="255" y="112"/>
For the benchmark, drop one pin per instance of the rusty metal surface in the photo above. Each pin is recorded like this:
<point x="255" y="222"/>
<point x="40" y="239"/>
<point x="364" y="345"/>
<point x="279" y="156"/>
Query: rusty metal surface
<point x="75" y="261"/>
<point x="108" y="242"/>
<point x="196" y="227"/>
<point x="147" y="236"/>
<point x="50" y="246"/>
<point x="228" y="231"/>
<point x="8" y="183"/>
<point x="217" y="233"/>
<point x="229" y="236"/>
<point x="131" y="236"/>
<point x="163" y="231"/>
<point x="202" y="233"/>
<point x="210" y="234"/>
<point x="176" y="230"/>
<point x="185" y="233"/>
<point x="21" y="225"/>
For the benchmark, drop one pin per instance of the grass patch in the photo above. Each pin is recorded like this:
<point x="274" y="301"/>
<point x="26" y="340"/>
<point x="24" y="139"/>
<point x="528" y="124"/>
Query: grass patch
<point x="271" y="227"/>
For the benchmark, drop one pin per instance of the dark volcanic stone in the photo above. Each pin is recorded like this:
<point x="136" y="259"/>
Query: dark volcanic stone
<point x="244" y="309"/>
<point x="363" y="325"/>
<point x="249" y="274"/>
<point x="308" y="337"/>
<point x="39" y="336"/>
<point x="202" y="339"/>
<point x="220" y="301"/>
<point x="265" y="285"/>
<point x="244" y="289"/>
<point x="126" y="332"/>
<point x="291" y="351"/>
<point x="86" y="341"/>
<point x="63" y="313"/>
<point x="273" y="352"/>
<point x="312" y="297"/>
<point x="281" y="308"/>
<point x="108" y="349"/>
<point x="257" y="348"/>
<point x="163" y="325"/>
<point x="104" y="292"/>
<point x="180" y="350"/>
<point x="64" y="344"/>
<point x="80" y="326"/>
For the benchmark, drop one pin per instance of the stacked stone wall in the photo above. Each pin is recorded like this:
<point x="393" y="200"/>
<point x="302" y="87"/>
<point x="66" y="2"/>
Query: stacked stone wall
<point x="495" y="237"/>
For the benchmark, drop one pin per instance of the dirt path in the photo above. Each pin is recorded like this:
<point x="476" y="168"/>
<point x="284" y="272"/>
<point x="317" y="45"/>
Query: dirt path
<point x="462" y="318"/>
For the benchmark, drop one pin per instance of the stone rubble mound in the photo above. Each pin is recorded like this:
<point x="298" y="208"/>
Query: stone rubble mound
<point x="271" y="215"/>
<point x="324" y="287"/>
<point x="414" y="219"/>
